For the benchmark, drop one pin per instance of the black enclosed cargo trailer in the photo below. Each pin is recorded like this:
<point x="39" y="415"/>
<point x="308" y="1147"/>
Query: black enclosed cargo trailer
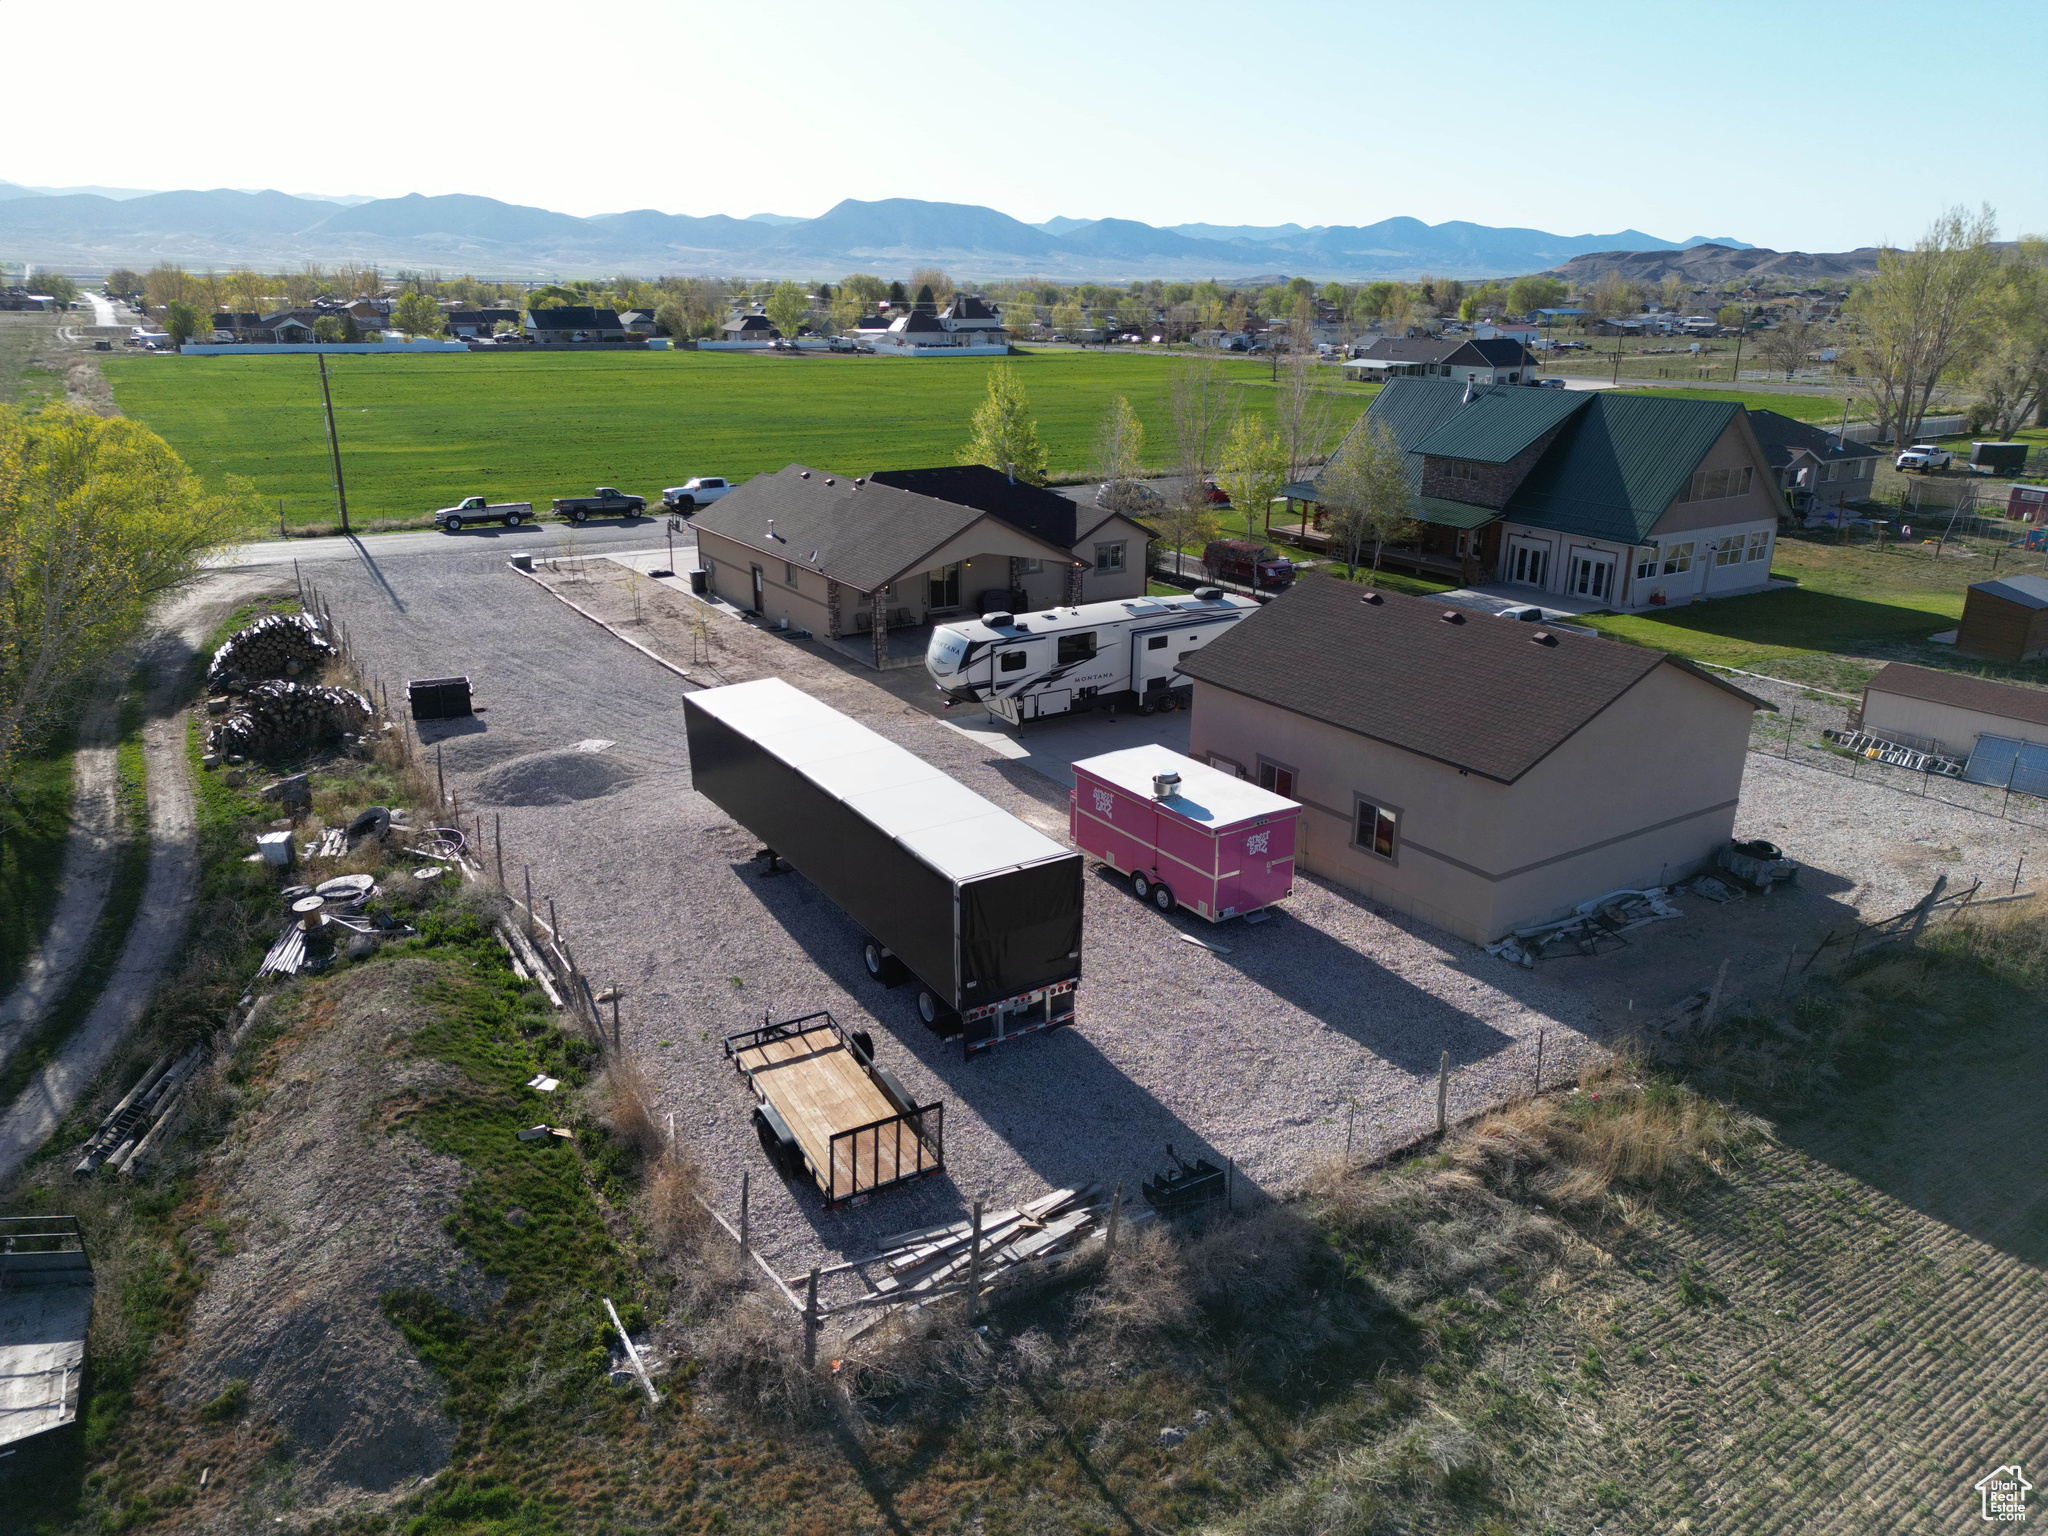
<point x="983" y="912"/>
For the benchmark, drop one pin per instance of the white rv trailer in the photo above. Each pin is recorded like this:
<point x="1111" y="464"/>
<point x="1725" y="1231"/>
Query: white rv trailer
<point x="1025" y="666"/>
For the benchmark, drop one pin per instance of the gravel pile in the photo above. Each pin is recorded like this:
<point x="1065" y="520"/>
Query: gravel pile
<point x="551" y="778"/>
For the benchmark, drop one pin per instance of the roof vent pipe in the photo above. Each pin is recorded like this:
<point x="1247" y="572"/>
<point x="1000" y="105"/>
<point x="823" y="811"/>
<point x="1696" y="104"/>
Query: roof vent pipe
<point x="1468" y="391"/>
<point x="1165" y="785"/>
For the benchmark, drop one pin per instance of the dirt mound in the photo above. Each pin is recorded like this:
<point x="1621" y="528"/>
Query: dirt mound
<point x="552" y="778"/>
<point x="327" y="1212"/>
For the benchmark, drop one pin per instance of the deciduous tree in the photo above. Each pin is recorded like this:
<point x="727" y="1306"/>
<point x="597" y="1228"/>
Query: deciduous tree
<point x="1202" y="404"/>
<point x="1252" y="469"/>
<point x="1364" y="489"/>
<point x="1120" y="444"/>
<point x="1927" y="313"/>
<point x="417" y="314"/>
<point x="788" y="307"/>
<point x="2012" y="381"/>
<point x="1005" y="437"/>
<point x="98" y="519"/>
<point x="181" y="321"/>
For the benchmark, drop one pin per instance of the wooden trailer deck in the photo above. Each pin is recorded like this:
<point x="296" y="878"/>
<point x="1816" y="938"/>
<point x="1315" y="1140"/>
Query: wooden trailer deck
<point x="855" y="1138"/>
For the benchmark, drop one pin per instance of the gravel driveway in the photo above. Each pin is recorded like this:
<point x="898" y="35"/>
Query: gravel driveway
<point x="1259" y="1054"/>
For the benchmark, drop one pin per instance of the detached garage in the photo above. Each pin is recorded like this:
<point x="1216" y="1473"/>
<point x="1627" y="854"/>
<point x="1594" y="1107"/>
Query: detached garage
<point x="2006" y="619"/>
<point x="1474" y="772"/>
<point x="1996" y="726"/>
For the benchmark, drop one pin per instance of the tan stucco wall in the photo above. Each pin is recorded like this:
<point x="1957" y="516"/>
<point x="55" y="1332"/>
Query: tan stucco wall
<point x="732" y="579"/>
<point x="1955" y="729"/>
<point x="1109" y="586"/>
<point x="1613" y="806"/>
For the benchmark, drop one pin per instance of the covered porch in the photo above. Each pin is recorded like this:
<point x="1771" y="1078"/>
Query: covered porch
<point x="1454" y="540"/>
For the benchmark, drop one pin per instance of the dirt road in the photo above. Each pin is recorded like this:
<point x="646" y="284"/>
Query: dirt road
<point x="170" y="884"/>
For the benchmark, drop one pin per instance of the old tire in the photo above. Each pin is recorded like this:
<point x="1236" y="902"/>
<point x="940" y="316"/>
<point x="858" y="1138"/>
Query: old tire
<point x="1141" y="885"/>
<point x="455" y="525"/>
<point x="514" y="519"/>
<point x="1162" y="897"/>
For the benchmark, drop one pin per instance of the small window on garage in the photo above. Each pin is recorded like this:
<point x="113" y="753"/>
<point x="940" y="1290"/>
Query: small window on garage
<point x="1013" y="661"/>
<point x="1109" y="557"/>
<point x="1156" y="643"/>
<point x="1079" y="647"/>
<point x="788" y="574"/>
<point x="1376" y="829"/>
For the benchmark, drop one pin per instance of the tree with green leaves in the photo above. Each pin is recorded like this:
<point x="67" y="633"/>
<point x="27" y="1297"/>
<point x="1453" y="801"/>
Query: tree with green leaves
<point x="788" y="307"/>
<point x="181" y="321"/>
<point x="2012" y="381"/>
<point x="98" y="520"/>
<point x="1526" y="294"/>
<point x="418" y="314"/>
<point x="123" y="280"/>
<point x="1119" y="445"/>
<point x="329" y="328"/>
<point x="1252" y="469"/>
<point x="57" y="285"/>
<point x="1364" y="489"/>
<point x="1926" y="314"/>
<point x="1004" y="435"/>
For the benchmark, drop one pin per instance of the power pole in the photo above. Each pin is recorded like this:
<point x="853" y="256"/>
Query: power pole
<point x="1736" y="376"/>
<point x="333" y="443"/>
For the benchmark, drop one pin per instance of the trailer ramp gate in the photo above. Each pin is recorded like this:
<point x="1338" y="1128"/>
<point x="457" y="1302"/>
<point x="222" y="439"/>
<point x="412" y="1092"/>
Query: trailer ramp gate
<point x="856" y="1129"/>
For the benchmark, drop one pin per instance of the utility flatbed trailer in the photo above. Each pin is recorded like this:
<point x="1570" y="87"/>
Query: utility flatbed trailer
<point x="826" y="1111"/>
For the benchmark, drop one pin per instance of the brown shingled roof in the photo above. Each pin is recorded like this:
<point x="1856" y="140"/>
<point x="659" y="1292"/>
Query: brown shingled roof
<point x="1479" y="693"/>
<point x="1960" y="690"/>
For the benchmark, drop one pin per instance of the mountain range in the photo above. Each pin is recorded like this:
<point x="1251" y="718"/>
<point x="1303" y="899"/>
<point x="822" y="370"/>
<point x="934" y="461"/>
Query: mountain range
<point x="93" y="232"/>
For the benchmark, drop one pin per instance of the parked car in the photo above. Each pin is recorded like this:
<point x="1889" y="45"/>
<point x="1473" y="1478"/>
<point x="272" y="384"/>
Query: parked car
<point x="477" y="510"/>
<point x="1214" y="494"/>
<point x="1924" y="457"/>
<point x="1258" y="566"/>
<point x="1549" y="383"/>
<point x="698" y="491"/>
<point x="607" y="502"/>
<point x="1128" y="496"/>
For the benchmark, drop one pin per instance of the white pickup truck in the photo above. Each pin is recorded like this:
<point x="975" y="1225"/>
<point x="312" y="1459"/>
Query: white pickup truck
<point x="476" y="510"/>
<point x="692" y="494"/>
<point x="1924" y="457"/>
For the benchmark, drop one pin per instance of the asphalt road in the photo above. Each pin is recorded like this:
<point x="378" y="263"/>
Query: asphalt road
<point x="489" y="542"/>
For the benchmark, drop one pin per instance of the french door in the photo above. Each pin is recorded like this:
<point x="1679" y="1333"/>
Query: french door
<point x="1529" y="564"/>
<point x="1592" y="576"/>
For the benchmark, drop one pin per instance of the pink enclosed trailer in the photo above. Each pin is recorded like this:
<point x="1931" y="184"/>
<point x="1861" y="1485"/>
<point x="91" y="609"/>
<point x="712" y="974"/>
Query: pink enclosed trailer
<point x="1187" y="834"/>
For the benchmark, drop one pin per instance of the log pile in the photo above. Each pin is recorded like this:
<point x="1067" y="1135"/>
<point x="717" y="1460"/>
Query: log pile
<point x="280" y="719"/>
<point x="279" y="645"/>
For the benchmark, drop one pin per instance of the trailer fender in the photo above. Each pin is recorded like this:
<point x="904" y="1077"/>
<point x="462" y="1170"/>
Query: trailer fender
<point x="777" y="1140"/>
<point x="893" y="1091"/>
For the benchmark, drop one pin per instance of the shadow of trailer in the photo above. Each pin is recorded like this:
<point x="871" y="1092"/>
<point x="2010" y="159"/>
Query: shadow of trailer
<point x="825" y="1110"/>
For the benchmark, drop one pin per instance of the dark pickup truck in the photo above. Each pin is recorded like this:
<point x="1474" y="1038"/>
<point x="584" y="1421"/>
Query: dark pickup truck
<point x="1255" y="565"/>
<point x="606" y="503"/>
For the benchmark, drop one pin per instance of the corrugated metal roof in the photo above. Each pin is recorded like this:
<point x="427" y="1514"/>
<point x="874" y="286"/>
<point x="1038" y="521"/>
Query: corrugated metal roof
<point x="1620" y="465"/>
<point x="1451" y="514"/>
<point x="1499" y="422"/>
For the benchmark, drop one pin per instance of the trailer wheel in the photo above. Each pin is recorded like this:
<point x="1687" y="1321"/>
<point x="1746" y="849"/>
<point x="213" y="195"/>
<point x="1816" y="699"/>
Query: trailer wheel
<point x="1162" y="897"/>
<point x="929" y="1008"/>
<point x="455" y="525"/>
<point x="1141" y="884"/>
<point x="863" y="1045"/>
<point x="513" y="519"/>
<point x="780" y="1153"/>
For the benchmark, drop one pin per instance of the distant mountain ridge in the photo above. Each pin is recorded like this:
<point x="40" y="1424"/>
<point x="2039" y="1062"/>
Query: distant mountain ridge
<point x="482" y="235"/>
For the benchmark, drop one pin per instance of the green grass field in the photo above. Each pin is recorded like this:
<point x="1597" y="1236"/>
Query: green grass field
<point x="421" y="432"/>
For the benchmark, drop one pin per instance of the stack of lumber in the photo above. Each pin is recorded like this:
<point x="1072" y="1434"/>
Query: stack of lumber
<point x="274" y="719"/>
<point x="136" y="1127"/>
<point x="914" y="1263"/>
<point x="277" y="645"/>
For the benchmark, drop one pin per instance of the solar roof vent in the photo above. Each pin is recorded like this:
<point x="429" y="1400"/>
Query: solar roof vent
<point x="1544" y="637"/>
<point x="1372" y="597"/>
<point x="1452" y="616"/>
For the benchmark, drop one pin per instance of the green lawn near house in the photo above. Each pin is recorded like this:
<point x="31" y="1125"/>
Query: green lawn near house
<point x="1855" y="608"/>
<point x="422" y="432"/>
<point x="35" y="821"/>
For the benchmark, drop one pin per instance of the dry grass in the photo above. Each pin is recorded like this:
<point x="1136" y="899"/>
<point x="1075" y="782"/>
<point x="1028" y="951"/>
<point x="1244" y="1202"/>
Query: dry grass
<point x="625" y="1096"/>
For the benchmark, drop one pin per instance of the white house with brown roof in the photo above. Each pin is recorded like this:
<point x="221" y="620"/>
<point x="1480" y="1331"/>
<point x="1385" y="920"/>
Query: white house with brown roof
<point x="1474" y="772"/>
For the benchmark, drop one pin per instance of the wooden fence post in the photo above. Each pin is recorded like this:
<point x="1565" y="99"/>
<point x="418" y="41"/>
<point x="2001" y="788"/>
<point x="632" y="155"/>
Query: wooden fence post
<point x="974" y="1267"/>
<point x="527" y="871"/>
<point x="1116" y="1215"/>
<point x="440" y="780"/>
<point x="1714" y="998"/>
<point x="811" y="1321"/>
<point x="1443" y="1090"/>
<point x="498" y="835"/>
<point x="1539" y="1060"/>
<point x="746" y="1189"/>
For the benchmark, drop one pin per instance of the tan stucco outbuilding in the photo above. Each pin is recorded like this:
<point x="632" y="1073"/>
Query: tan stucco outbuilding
<point x="858" y="557"/>
<point x="1477" y="773"/>
<point x="1948" y="711"/>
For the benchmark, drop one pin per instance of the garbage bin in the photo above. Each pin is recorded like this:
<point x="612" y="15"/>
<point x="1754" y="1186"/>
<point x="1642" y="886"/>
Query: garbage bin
<point x="700" y="582"/>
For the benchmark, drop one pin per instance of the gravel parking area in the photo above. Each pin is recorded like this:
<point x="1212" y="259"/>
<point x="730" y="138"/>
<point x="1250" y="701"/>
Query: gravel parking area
<point x="1327" y="1020"/>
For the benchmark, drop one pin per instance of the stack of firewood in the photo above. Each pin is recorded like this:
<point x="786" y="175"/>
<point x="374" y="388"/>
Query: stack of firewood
<point x="278" y="719"/>
<point x="277" y="645"/>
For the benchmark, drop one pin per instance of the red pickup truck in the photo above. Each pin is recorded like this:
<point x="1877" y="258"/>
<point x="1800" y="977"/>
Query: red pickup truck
<point x="1258" y="566"/>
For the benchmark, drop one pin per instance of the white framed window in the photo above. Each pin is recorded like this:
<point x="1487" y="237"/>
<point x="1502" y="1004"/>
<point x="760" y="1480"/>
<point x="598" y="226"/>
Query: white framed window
<point x="1646" y="563"/>
<point x="1277" y="777"/>
<point x="1760" y="544"/>
<point x="1728" y="551"/>
<point x="1109" y="557"/>
<point x="1226" y="764"/>
<point x="788" y="573"/>
<point x="1030" y="567"/>
<point x="1463" y="469"/>
<point x="1376" y="829"/>
<point x="1719" y="484"/>
<point x="1677" y="558"/>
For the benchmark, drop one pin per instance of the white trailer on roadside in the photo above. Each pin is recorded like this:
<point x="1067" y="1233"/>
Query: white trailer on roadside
<point x="1024" y="666"/>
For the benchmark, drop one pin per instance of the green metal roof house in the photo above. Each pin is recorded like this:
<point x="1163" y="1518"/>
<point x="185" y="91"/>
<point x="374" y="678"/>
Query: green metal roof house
<point x="1618" y="500"/>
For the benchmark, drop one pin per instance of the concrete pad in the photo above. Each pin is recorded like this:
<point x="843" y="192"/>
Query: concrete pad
<point x="1052" y="747"/>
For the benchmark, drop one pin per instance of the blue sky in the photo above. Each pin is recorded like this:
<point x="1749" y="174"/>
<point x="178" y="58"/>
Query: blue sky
<point x="1770" y="122"/>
